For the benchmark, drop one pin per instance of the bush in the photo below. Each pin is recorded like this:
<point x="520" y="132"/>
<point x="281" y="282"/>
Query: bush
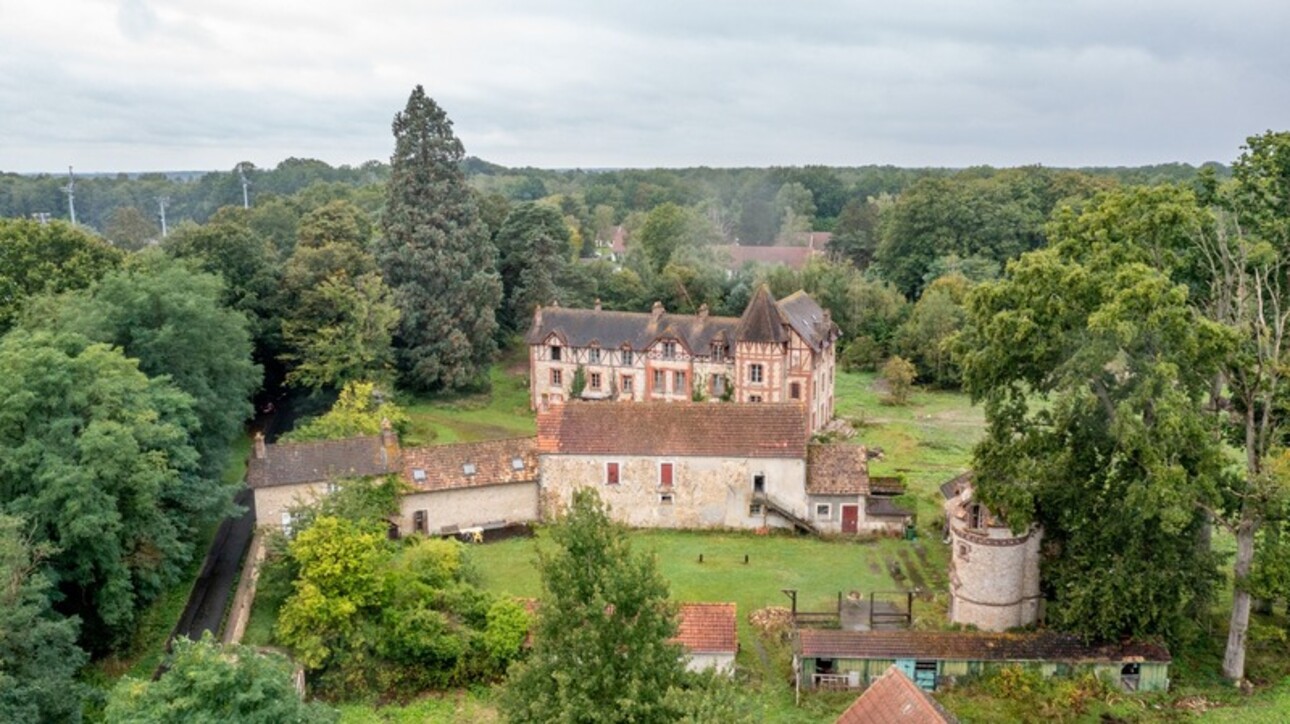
<point x="899" y="374"/>
<point x="863" y="354"/>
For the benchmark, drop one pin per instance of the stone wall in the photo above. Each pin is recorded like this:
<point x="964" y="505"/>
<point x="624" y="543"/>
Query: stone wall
<point x="469" y="507"/>
<point x="994" y="578"/>
<point x="707" y="492"/>
<point x="272" y="502"/>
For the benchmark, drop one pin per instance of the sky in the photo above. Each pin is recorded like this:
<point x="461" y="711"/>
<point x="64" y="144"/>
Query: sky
<point x="151" y="85"/>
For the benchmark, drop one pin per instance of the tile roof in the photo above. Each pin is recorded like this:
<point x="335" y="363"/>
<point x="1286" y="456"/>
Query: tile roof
<point x="794" y="257"/>
<point x="695" y="429"/>
<point x="808" y="319"/>
<point x="837" y="469"/>
<point x="314" y="462"/>
<point x="707" y="628"/>
<point x="893" y="699"/>
<point x="443" y="467"/>
<point x="971" y="646"/>
<point x="886" y="485"/>
<point x="761" y="321"/>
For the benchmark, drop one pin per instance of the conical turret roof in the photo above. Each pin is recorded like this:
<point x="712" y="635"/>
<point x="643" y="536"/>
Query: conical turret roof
<point x="761" y="320"/>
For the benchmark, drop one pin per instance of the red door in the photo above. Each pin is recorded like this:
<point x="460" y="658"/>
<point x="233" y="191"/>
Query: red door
<point x="850" y="518"/>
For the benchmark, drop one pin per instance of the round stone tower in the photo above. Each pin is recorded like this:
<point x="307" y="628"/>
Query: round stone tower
<point x="994" y="573"/>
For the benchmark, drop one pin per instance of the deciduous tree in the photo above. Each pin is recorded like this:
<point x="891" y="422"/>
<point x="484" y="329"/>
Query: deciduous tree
<point x="48" y="258"/>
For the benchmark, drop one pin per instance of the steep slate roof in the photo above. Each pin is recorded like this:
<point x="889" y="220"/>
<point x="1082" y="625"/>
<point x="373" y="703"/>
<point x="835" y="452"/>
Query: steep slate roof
<point x="761" y="321"/>
<point x="970" y="646"/>
<point x="808" y="319"/>
<point x="707" y="628"/>
<point x="893" y="699"/>
<point x="695" y="429"/>
<point x="494" y="462"/>
<point x="610" y="330"/>
<point x="878" y="507"/>
<point x="315" y="462"/>
<point x="837" y="469"/>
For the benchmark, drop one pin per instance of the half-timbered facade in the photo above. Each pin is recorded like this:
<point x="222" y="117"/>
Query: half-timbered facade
<point x="775" y="352"/>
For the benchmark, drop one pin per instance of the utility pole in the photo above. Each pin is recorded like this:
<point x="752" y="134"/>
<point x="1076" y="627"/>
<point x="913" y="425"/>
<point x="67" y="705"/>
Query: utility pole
<point x="41" y="216"/>
<point x="246" y="199"/>
<point x="70" y="190"/>
<point x="161" y="203"/>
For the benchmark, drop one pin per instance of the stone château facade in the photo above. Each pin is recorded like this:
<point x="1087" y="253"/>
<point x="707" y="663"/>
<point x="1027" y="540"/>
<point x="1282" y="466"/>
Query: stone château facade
<point x="775" y="352"/>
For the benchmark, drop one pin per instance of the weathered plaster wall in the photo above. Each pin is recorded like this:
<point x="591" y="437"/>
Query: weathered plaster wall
<point x="994" y="579"/>
<point x="468" y="507"/>
<point x="271" y="502"/>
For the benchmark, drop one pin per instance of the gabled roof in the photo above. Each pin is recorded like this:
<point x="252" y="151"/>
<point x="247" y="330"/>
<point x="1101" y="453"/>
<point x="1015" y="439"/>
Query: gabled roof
<point x="971" y="646"/>
<point x="695" y="429"/>
<point x="582" y="327"/>
<point x="761" y="321"/>
<point x="808" y="319"/>
<point x="707" y="628"/>
<point x="893" y="699"/>
<point x="316" y="462"/>
<point x="837" y="469"/>
<point x="493" y="462"/>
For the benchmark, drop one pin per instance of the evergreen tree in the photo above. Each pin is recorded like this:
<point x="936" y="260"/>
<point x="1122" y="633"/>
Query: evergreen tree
<point x="600" y="650"/>
<point x="436" y="254"/>
<point x="534" y="248"/>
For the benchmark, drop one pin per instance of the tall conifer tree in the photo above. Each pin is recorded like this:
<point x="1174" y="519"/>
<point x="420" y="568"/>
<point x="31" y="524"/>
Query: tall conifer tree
<point x="436" y="254"/>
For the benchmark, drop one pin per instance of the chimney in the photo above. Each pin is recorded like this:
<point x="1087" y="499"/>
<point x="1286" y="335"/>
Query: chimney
<point x="597" y="304"/>
<point x="703" y="312"/>
<point x="389" y="441"/>
<point x="537" y="317"/>
<point x="261" y="451"/>
<point x="657" y="312"/>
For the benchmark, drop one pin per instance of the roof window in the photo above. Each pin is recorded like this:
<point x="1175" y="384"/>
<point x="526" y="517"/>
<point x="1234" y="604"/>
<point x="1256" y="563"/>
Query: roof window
<point x="468" y="468"/>
<point x="419" y="475"/>
<point x="517" y="463"/>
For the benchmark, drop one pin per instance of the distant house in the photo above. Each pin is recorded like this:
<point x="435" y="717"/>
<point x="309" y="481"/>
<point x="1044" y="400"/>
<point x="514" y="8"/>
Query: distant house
<point x="708" y="634"/>
<point x="932" y="659"/>
<point x="467" y="486"/>
<point x="288" y="475"/>
<point x="793" y="257"/>
<point x="776" y="351"/>
<point x="893" y="699"/>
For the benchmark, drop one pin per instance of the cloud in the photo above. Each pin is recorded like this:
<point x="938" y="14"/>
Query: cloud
<point x="205" y="84"/>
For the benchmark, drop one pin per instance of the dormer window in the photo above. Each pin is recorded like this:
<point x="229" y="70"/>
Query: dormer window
<point x="555" y="353"/>
<point x="976" y="518"/>
<point x="669" y="349"/>
<point x="468" y="468"/>
<point x="718" y="352"/>
<point x="593" y="355"/>
<point x="627" y="356"/>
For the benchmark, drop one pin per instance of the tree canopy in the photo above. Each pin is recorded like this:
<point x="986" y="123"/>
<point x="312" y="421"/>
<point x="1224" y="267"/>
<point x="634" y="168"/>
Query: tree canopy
<point x="48" y="258"/>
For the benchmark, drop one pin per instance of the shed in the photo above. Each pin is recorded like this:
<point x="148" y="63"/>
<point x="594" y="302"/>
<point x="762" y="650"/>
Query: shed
<point x="851" y="659"/>
<point x="894" y="699"/>
<point x="707" y="633"/>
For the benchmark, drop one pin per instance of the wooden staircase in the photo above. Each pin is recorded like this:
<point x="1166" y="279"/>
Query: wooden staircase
<point x="799" y="523"/>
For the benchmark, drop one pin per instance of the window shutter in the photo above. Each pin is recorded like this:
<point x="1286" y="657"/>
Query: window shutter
<point x="611" y="473"/>
<point x="665" y="474"/>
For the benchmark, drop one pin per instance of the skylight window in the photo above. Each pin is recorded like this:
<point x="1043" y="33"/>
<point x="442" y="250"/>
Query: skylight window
<point x="468" y="468"/>
<point x="517" y="463"/>
<point x="419" y="475"/>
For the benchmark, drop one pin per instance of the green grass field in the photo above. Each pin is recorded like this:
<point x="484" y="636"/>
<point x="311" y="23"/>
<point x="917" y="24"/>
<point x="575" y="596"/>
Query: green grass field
<point x="501" y="412"/>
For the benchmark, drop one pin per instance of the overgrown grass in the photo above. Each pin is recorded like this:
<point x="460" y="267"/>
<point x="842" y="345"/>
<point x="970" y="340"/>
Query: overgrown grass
<point x="501" y="412"/>
<point x="455" y="707"/>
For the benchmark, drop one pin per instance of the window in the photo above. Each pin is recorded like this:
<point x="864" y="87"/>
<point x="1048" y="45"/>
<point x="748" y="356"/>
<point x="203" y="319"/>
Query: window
<point x="517" y="463"/>
<point x="665" y="498"/>
<point x="468" y="468"/>
<point x="286" y="524"/>
<point x="759" y="483"/>
<point x="419" y="475"/>
<point x="754" y="398"/>
<point x="611" y="473"/>
<point x="660" y="381"/>
<point x="669" y="349"/>
<point x="756" y="373"/>
<point x="626" y="384"/>
<point x="555" y="353"/>
<point x="665" y="474"/>
<point x="795" y="390"/>
<point x="627" y="356"/>
<point x="717" y="385"/>
<point x="977" y="517"/>
<point x="678" y="382"/>
<point x="718" y="353"/>
<point x="593" y="355"/>
<point x="595" y="381"/>
<point x="557" y="377"/>
<point x="963" y="551"/>
<point x="755" y="509"/>
<point x="419" y="521"/>
<point x="824" y="511"/>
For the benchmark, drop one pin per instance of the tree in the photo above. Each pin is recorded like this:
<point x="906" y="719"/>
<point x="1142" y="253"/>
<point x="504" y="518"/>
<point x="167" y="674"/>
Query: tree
<point x="48" y="258"/>
<point x="38" y="654"/>
<point x="436" y="255"/>
<point x="130" y="229"/>
<point x="96" y="456"/>
<point x="855" y="235"/>
<point x="937" y="316"/>
<point x="668" y="228"/>
<point x="360" y="410"/>
<point x="353" y="342"/>
<point x="899" y="374"/>
<point x="533" y="245"/>
<point x="600" y="651"/>
<point x="1093" y="368"/>
<point x="171" y="319"/>
<point x="209" y="683"/>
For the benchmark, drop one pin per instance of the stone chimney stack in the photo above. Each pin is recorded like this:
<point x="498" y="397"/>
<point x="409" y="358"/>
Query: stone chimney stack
<point x="389" y="441"/>
<point x="261" y="450"/>
<point x="537" y="317"/>
<point x="703" y="312"/>
<point x="657" y="312"/>
<point x="597" y="304"/>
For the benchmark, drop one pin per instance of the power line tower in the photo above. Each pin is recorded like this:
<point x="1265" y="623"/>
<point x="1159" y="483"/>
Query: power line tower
<point x="241" y="173"/>
<point x="70" y="190"/>
<point x="161" y="204"/>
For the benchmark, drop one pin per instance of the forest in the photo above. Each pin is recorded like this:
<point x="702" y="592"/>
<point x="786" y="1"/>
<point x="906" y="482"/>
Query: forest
<point x="1123" y="328"/>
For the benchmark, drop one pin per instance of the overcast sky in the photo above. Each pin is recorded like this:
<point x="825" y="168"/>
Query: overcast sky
<point x="203" y="84"/>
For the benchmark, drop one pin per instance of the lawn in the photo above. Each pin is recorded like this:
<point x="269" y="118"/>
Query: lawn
<point x="501" y="412"/>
